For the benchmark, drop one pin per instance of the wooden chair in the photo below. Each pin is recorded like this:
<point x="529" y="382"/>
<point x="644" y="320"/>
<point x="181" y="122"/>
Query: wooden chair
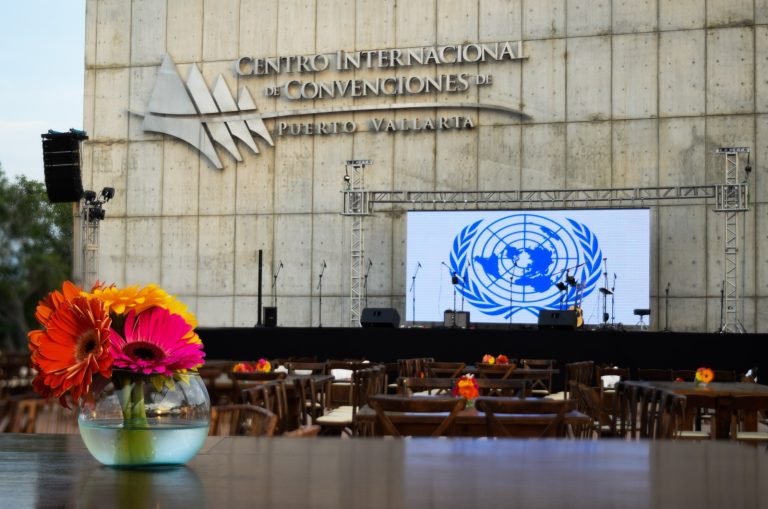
<point x="501" y="371"/>
<point x="385" y="404"/>
<point x="444" y="369"/>
<point x="495" y="406"/>
<point x="654" y="374"/>
<point x="686" y="375"/>
<point x="578" y="372"/>
<point x="543" y="386"/>
<point x="40" y="416"/>
<point x="242" y="420"/>
<point x="589" y="402"/>
<point x="742" y="405"/>
<point x="417" y="386"/>
<point x="244" y="380"/>
<point x="365" y="383"/>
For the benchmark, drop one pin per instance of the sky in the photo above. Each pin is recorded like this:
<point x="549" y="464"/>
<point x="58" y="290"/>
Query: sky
<point x="42" y="66"/>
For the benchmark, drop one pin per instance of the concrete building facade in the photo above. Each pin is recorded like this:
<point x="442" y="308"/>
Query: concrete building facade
<point x="442" y="95"/>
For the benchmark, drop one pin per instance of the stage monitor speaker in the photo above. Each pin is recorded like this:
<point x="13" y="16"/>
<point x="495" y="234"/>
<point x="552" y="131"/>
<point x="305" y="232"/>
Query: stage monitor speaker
<point x="461" y="317"/>
<point x="380" y="317"/>
<point x="61" y="166"/>
<point x="554" y="319"/>
<point x="270" y="316"/>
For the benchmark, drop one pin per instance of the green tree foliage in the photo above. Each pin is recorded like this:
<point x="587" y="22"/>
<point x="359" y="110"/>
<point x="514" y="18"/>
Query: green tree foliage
<point x="35" y="254"/>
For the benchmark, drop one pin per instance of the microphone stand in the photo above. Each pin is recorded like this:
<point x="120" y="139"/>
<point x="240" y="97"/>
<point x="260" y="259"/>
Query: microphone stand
<point x="320" y="294"/>
<point x="666" y="308"/>
<point x="511" y="282"/>
<point x="613" y="294"/>
<point x="454" y="282"/>
<point x="365" y="281"/>
<point x="722" y="300"/>
<point x="605" y="293"/>
<point x="413" y="293"/>
<point x="274" y="284"/>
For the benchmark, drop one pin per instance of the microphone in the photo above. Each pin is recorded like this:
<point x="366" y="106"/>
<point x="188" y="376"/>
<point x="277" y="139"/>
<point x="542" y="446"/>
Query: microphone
<point x="324" y="265"/>
<point x="281" y="264"/>
<point x="370" y="262"/>
<point x="418" y="264"/>
<point x="667" y="285"/>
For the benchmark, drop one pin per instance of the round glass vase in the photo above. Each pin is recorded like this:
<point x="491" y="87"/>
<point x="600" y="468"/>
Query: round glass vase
<point x="146" y="420"/>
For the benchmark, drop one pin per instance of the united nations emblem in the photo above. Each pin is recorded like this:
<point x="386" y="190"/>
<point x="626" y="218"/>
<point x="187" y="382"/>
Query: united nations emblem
<point x="514" y="264"/>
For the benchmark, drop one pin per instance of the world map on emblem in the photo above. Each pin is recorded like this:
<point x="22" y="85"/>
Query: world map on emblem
<point x="515" y="263"/>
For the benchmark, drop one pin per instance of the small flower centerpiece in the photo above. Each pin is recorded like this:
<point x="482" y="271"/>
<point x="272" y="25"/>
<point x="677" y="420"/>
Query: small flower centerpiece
<point x="499" y="359"/>
<point x="703" y="376"/>
<point x="466" y="387"/>
<point x="128" y="359"/>
<point x="260" y="366"/>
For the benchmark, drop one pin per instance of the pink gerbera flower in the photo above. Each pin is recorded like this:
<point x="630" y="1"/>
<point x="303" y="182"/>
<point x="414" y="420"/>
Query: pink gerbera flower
<point x="155" y="343"/>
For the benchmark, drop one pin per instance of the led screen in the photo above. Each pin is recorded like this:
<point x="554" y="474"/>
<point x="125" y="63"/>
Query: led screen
<point x="507" y="266"/>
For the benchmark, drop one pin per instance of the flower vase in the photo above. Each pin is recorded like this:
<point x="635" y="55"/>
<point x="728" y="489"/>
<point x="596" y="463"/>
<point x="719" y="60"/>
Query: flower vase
<point x="470" y="403"/>
<point x="146" y="420"/>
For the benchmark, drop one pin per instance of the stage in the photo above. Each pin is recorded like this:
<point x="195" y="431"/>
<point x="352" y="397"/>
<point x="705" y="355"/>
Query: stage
<point x="634" y="349"/>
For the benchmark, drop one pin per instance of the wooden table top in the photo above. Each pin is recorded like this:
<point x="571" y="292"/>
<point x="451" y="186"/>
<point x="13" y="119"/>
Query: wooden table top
<point x="233" y="472"/>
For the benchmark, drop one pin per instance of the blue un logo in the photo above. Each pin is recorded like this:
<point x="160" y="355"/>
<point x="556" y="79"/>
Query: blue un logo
<point x="514" y="263"/>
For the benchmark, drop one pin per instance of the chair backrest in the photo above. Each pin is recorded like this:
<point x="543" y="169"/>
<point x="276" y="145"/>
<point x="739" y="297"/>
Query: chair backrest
<point x="654" y="374"/>
<point x="242" y="420"/>
<point x="660" y="411"/>
<point x="243" y="380"/>
<point x="686" y="375"/>
<point x="444" y="369"/>
<point x="502" y="371"/>
<point x="385" y="404"/>
<point x="36" y="415"/>
<point x="272" y="395"/>
<point x="414" y="367"/>
<point x="517" y="388"/>
<point x="495" y="406"/>
<point x="543" y="384"/>
<point x="408" y="386"/>
<point x="579" y="372"/>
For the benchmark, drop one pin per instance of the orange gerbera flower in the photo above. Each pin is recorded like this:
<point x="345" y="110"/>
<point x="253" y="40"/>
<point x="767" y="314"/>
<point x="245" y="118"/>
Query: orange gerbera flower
<point x="73" y="347"/>
<point x="466" y="387"/>
<point x="704" y="375"/>
<point x="489" y="359"/>
<point x="502" y="359"/>
<point x="53" y="300"/>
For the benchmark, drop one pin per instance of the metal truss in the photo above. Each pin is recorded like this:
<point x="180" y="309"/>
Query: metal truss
<point x="90" y="235"/>
<point x="731" y="198"/>
<point x="356" y="205"/>
<point x="550" y="198"/>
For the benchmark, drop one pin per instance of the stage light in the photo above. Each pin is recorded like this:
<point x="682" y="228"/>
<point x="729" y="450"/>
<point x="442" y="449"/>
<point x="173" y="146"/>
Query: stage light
<point x="107" y="193"/>
<point x="561" y="286"/>
<point x="90" y="196"/>
<point x="571" y="280"/>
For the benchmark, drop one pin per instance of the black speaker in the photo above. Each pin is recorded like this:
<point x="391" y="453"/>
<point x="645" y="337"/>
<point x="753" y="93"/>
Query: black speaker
<point x="61" y="165"/>
<point x="458" y="319"/>
<point x="380" y="317"/>
<point x="270" y="316"/>
<point x="554" y="319"/>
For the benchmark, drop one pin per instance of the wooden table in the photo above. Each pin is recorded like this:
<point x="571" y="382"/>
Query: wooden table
<point x="234" y="472"/>
<point x="469" y="423"/>
<point x="717" y="395"/>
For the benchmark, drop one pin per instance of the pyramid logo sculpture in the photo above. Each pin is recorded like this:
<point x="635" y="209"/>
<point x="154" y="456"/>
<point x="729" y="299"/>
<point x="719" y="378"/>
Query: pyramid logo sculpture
<point x="190" y="112"/>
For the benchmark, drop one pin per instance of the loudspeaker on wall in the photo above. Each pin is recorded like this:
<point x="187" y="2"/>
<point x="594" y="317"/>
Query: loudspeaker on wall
<point x="61" y="166"/>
